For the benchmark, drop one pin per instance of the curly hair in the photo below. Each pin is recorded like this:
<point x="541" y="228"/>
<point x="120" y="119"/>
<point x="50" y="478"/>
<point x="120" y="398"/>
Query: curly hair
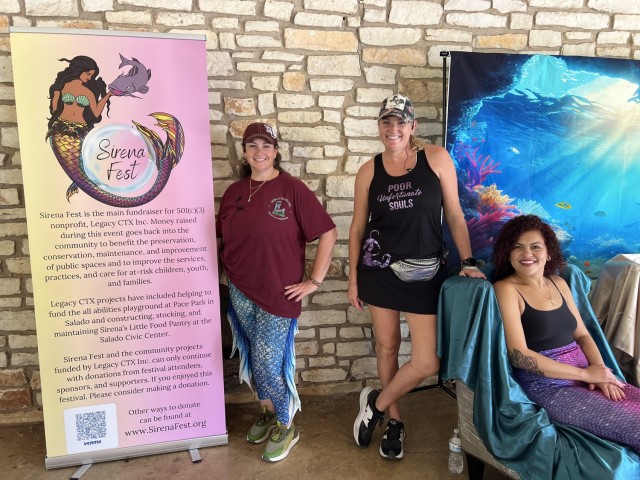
<point x="77" y="66"/>
<point x="509" y="235"/>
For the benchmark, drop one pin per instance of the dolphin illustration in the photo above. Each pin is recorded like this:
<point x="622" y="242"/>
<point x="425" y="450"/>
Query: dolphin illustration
<point x="135" y="80"/>
<point x="635" y="97"/>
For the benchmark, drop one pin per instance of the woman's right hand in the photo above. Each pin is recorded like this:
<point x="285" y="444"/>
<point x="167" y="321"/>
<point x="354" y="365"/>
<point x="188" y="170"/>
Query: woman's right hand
<point x="602" y="377"/>
<point x="610" y="391"/>
<point x="353" y="296"/>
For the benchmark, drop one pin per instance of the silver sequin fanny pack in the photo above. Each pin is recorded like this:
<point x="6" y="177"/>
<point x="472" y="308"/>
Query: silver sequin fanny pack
<point x="416" y="269"/>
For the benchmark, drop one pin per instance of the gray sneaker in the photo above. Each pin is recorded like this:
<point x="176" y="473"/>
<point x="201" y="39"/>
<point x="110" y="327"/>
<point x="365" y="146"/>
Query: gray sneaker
<point x="281" y="442"/>
<point x="260" y="430"/>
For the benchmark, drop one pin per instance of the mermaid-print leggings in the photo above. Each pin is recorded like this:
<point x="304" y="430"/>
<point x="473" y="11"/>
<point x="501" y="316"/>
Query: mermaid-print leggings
<point x="266" y="348"/>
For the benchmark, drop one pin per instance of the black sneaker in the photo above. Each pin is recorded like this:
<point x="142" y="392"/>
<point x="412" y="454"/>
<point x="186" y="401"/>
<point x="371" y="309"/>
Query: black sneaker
<point x="393" y="440"/>
<point x="367" y="418"/>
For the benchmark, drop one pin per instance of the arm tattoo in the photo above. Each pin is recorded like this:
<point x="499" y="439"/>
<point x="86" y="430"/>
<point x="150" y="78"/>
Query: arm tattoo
<point x="524" y="362"/>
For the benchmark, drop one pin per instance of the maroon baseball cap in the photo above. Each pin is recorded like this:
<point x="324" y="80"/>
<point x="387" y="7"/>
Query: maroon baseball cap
<point x="262" y="130"/>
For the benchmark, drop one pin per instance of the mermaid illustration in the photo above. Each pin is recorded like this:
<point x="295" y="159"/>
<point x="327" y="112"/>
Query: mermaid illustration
<point x="371" y="249"/>
<point x="78" y="98"/>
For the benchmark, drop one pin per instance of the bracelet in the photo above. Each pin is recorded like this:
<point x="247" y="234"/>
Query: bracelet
<point x="315" y="282"/>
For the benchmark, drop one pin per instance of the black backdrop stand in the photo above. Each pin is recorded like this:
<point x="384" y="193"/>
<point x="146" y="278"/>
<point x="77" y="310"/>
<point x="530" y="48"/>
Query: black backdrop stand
<point x="444" y="54"/>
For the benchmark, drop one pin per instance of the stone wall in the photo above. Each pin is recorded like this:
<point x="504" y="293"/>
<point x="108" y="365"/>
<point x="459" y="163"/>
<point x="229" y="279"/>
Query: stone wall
<point x="317" y="69"/>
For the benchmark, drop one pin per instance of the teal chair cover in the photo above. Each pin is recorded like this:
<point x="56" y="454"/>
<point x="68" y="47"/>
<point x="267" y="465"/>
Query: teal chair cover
<point x="515" y="430"/>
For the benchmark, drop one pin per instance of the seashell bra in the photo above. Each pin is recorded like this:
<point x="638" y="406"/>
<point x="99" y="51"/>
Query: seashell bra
<point x="81" y="100"/>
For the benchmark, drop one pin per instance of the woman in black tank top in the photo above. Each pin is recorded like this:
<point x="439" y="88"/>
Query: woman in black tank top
<point x="557" y="362"/>
<point x="401" y="196"/>
<point x="527" y="258"/>
<point x="547" y="329"/>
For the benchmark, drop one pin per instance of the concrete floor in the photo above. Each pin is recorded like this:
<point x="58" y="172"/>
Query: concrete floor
<point x="326" y="448"/>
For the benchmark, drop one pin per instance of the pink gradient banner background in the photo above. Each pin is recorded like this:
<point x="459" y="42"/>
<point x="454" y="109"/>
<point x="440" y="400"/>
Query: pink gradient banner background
<point x="126" y="299"/>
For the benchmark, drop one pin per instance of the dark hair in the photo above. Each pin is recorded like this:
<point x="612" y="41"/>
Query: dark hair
<point x="77" y="66"/>
<point x="245" y="168"/>
<point x="509" y="235"/>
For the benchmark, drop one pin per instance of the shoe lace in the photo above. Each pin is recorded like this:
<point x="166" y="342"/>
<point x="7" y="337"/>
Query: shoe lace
<point x="393" y="432"/>
<point x="265" y="417"/>
<point x="279" y="432"/>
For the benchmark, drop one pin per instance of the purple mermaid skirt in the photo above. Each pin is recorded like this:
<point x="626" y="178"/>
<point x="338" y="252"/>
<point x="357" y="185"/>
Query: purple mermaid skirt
<point x="571" y="402"/>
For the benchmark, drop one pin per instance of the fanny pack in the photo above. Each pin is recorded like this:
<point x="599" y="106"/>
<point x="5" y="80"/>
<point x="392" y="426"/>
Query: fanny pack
<point x="417" y="269"/>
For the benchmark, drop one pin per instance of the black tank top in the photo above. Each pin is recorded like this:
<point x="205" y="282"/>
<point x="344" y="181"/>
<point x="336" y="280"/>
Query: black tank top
<point x="405" y="216"/>
<point x="544" y="329"/>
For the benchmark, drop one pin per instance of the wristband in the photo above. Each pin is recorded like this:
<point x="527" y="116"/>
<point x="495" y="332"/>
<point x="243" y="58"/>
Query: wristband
<point x="315" y="282"/>
<point x="468" y="262"/>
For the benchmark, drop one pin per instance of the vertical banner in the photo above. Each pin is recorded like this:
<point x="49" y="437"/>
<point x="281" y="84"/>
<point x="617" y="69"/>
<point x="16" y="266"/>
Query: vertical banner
<point x="115" y="147"/>
<point x="554" y="136"/>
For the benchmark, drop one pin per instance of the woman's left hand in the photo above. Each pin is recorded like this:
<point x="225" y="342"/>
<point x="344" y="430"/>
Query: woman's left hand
<point x="298" y="291"/>
<point x="472" y="272"/>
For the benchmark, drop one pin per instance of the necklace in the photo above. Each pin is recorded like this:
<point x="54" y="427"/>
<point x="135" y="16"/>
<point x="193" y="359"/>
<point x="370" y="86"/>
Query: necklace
<point x="404" y="165"/>
<point x="550" y="296"/>
<point x="252" y="192"/>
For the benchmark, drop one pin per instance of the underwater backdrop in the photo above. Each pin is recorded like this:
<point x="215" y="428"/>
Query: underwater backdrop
<point x="553" y="136"/>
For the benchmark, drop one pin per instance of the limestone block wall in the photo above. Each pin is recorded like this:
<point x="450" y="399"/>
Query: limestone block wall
<point x="317" y="69"/>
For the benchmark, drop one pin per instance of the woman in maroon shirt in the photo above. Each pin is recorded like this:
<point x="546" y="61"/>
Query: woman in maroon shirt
<point x="265" y="221"/>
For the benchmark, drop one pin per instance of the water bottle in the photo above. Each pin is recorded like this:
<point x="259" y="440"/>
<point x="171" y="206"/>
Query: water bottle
<point x="456" y="460"/>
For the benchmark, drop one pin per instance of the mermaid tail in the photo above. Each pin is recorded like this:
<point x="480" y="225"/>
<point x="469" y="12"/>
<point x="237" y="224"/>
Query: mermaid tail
<point x="241" y="344"/>
<point x="290" y="370"/>
<point x="66" y="140"/>
<point x="571" y="402"/>
<point x="72" y="190"/>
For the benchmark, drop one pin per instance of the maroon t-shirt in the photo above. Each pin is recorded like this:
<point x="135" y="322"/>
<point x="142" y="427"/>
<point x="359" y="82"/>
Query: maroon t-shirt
<point x="263" y="241"/>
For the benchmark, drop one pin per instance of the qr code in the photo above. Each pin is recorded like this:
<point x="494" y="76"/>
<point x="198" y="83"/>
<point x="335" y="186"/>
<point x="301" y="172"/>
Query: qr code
<point x="91" y="425"/>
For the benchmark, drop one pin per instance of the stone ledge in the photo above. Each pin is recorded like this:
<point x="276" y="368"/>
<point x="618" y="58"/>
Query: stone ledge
<point x="21" y="418"/>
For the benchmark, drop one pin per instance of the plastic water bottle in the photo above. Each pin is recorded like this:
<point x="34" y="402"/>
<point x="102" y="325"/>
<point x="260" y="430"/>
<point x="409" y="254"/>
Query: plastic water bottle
<point x="456" y="460"/>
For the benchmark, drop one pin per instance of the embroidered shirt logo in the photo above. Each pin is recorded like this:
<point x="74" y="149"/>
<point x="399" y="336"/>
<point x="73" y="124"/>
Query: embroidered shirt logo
<point x="280" y="208"/>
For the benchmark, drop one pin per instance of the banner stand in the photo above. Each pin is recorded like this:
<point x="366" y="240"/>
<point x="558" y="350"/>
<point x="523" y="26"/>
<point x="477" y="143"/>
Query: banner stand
<point x="119" y="202"/>
<point x="81" y="471"/>
<point x="136" y="451"/>
<point x="195" y="455"/>
<point x="193" y="452"/>
<point x="445" y="97"/>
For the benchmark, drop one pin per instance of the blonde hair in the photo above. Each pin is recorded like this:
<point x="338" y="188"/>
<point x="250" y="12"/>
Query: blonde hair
<point x="415" y="143"/>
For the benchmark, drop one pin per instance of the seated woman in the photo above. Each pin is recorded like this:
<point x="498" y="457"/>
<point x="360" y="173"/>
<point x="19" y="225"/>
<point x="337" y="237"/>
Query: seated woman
<point x="557" y="363"/>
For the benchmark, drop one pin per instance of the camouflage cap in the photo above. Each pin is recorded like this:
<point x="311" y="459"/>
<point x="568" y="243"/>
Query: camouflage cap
<point x="399" y="106"/>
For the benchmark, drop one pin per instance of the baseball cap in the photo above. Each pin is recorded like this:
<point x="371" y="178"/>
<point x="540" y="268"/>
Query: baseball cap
<point x="399" y="106"/>
<point x="262" y="130"/>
